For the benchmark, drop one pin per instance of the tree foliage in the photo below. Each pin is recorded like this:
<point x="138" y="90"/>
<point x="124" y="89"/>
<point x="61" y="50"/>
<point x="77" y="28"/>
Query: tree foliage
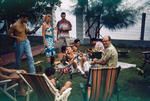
<point x="10" y="9"/>
<point x="111" y="14"/>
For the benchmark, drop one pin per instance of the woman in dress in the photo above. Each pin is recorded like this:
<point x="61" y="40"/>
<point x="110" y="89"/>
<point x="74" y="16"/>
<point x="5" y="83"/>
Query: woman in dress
<point x="48" y="38"/>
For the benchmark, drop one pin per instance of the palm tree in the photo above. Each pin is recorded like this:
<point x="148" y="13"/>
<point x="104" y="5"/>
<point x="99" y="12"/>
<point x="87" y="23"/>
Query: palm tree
<point x="111" y="14"/>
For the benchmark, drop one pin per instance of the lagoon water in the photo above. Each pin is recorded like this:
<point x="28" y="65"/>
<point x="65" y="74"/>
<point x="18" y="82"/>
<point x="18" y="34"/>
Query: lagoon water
<point x="132" y="32"/>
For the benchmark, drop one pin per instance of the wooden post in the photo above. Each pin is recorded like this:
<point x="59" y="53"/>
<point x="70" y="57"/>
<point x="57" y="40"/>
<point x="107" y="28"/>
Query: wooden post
<point x="79" y="24"/>
<point x="143" y="26"/>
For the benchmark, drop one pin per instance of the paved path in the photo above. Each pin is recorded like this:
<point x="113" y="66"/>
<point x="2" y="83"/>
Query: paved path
<point x="10" y="57"/>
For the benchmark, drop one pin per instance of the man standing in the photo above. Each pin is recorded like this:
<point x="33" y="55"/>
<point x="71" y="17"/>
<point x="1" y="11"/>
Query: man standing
<point x="19" y="32"/>
<point x="63" y="28"/>
<point x="110" y="55"/>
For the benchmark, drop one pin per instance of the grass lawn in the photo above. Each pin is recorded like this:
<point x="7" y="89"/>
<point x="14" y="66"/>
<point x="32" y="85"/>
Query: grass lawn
<point x="133" y="87"/>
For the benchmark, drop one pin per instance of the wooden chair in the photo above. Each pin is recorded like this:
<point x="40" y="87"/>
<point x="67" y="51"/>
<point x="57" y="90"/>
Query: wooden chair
<point x="44" y="89"/>
<point x="101" y="83"/>
<point x="146" y="58"/>
<point x="146" y="61"/>
<point x="6" y="86"/>
<point x="123" y="53"/>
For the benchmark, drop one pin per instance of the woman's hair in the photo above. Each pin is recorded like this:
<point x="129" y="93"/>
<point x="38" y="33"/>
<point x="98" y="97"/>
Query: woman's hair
<point x="49" y="71"/>
<point x="46" y="16"/>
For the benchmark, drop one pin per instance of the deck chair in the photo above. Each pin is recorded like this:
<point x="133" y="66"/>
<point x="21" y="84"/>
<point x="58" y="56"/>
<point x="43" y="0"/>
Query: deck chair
<point x="44" y="89"/>
<point x="6" y="86"/>
<point x="100" y="84"/>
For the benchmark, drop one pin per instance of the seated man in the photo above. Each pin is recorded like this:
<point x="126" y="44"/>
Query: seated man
<point x="62" y="53"/>
<point x="12" y="74"/>
<point x="71" y="58"/>
<point x="110" y="54"/>
<point x="62" y="61"/>
<point x="75" y="49"/>
<point x="97" y="48"/>
<point x="82" y="63"/>
<point x="76" y="43"/>
<point x="49" y="73"/>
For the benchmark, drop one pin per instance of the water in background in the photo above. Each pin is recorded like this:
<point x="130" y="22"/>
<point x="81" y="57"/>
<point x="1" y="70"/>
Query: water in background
<point x="132" y="32"/>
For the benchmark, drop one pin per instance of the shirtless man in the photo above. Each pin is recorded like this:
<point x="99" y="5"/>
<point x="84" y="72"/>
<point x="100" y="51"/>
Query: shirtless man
<point x="19" y="32"/>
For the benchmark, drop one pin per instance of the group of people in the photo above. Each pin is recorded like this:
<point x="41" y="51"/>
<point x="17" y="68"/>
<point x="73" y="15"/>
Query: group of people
<point x="82" y="62"/>
<point x="19" y="31"/>
<point x="70" y="53"/>
<point x="62" y="30"/>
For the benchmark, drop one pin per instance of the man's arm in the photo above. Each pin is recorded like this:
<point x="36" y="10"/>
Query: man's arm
<point x="43" y="35"/>
<point x="5" y="70"/>
<point x="57" y="30"/>
<point x="4" y="77"/>
<point x="11" y="31"/>
<point x="70" y="25"/>
<point x="102" y="62"/>
<point x="33" y="31"/>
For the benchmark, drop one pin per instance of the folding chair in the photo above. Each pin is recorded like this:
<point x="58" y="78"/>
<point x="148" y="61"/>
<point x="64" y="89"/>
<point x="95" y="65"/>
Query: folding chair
<point x="44" y="89"/>
<point x="101" y="83"/>
<point x="6" y="86"/>
<point x="146" y="60"/>
<point x="142" y="69"/>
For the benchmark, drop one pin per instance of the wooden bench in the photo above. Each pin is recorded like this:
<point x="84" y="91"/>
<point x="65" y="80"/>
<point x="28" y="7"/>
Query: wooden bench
<point x="123" y="53"/>
<point x="10" y="57"/>
<point x="146" y="60"/>
<point x="146" y="57"/>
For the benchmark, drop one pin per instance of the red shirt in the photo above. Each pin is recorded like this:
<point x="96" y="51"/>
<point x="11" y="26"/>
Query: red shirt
<point x="64" y="26"/>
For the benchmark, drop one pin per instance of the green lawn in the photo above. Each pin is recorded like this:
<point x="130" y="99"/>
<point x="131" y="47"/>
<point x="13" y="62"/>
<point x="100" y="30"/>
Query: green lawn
<point x="133" y="87"/>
